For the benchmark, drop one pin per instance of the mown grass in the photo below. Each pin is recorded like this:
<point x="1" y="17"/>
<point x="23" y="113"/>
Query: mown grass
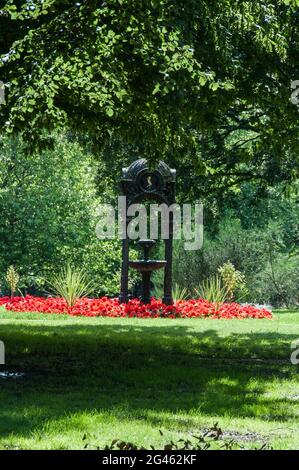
<point x="128" y="378"/>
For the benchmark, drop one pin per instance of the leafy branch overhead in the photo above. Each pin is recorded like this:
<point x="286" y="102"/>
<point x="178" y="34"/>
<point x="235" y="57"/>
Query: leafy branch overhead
<point x="205" y="81"/>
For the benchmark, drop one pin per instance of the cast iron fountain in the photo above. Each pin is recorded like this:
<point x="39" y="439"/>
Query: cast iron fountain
<point x="146" y="268"/>
<point x="139" y="183"/>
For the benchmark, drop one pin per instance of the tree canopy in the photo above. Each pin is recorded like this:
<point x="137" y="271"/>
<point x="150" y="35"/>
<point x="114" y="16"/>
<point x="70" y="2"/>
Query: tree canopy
<point x="205" y="84"/>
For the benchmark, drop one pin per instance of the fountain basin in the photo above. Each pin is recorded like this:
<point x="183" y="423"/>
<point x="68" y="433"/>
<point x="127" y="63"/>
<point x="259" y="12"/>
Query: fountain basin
<point x="144" y="266"/>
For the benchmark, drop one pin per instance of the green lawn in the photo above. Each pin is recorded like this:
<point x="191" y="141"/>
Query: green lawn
<point x="128" y="378"/>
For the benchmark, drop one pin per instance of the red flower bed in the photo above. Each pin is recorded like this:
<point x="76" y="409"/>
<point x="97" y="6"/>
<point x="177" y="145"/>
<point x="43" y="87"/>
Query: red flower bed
<point x="105" y="307"/>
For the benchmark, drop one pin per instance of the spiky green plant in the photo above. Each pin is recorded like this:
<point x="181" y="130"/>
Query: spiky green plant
<point x="212" y="290"/>
<point x="179" y="293"/>
<point x="71" y="284"/>
<point x="12" y="279"/>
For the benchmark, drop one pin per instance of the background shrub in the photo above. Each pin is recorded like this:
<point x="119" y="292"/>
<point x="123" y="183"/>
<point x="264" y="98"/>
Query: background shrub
<point x="48" y="206"/>
<point x="270" y="271"/>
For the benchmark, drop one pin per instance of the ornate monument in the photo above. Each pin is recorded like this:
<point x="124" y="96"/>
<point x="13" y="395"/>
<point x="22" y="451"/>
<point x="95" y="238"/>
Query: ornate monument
<point x="139" y="184"/>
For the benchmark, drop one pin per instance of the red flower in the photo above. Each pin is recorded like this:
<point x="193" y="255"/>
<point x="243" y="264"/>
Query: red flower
<point x="105" y="307"/>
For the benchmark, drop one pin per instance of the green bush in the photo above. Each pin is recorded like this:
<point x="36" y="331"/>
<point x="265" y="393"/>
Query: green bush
<point x="48" y="206"/>
<point x="12" y="279"/>
<point x="259" y="254"/>
<point x="233" y="281"/>
<point x="278" y="283"/>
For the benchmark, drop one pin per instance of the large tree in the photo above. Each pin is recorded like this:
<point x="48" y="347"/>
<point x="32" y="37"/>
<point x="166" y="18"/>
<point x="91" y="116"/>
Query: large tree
<point x="205" y="84"/>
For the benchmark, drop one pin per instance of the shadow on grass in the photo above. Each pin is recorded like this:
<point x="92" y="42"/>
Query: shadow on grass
<point x="140" y="373"/>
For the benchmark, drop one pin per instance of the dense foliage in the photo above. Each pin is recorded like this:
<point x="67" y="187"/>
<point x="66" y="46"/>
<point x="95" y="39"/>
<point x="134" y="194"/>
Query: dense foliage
<point x="48" y="206"/>
<point x="205" y="84"/>
<point x="262" y="254"/>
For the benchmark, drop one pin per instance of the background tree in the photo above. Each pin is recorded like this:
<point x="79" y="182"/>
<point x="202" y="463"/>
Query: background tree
<point x="48" y="204"/>
<point x="205" y="84"/>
